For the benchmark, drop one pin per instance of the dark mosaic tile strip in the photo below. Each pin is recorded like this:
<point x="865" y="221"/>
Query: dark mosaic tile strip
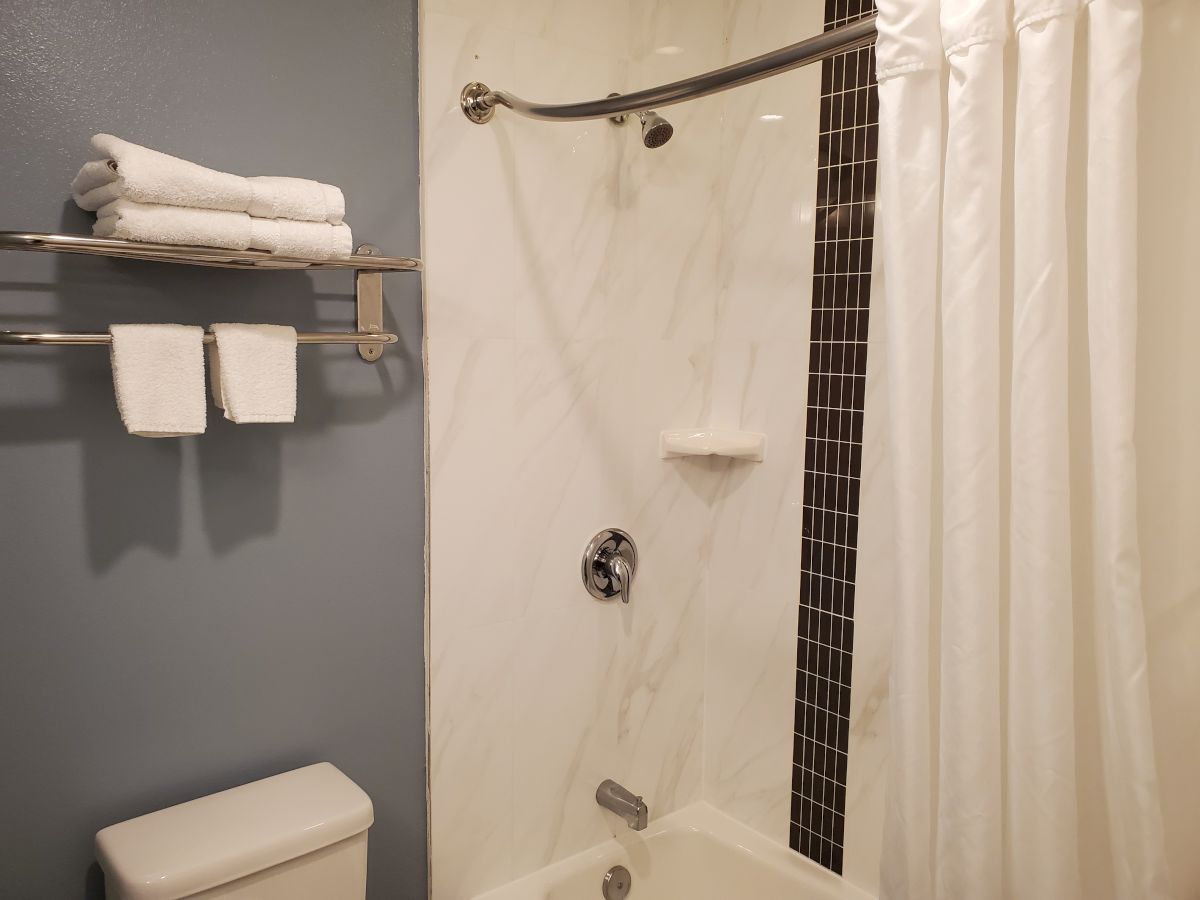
<point x="843" y="253"/>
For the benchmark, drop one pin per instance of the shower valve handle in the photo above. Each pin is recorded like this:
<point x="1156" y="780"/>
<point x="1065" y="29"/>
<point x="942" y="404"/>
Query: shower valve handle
<point x="621" y="575"/>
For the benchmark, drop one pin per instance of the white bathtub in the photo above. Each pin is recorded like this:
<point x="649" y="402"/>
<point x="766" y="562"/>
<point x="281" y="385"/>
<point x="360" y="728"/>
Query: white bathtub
<point x="697" y="853"/>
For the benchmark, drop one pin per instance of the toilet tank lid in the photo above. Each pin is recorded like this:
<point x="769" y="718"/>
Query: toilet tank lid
<point x="211" y="841"/>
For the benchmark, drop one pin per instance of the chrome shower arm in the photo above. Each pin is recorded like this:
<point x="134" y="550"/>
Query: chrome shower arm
<point x="479" y="102"/>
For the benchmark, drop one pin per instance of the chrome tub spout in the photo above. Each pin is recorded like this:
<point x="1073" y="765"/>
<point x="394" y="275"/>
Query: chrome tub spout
<point x="624" y="803"/>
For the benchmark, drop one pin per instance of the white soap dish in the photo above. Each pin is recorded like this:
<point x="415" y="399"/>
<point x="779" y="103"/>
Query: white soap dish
<point x="712" y="442"/>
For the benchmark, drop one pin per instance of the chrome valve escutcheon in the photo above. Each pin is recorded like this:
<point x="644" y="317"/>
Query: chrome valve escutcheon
<point x="610" y="564"/>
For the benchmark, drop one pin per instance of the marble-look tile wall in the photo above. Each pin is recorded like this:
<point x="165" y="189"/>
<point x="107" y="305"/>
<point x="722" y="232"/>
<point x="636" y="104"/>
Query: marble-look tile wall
<point x="582" y="294"/>
<point x="768" y="175"/>
<point x="570" y="295"/>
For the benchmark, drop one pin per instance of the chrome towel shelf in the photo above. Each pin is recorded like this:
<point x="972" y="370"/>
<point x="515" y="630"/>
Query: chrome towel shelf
<point x="368" y="264"/>
<point x="86" y="338"/>
<point x="366" y="257"/>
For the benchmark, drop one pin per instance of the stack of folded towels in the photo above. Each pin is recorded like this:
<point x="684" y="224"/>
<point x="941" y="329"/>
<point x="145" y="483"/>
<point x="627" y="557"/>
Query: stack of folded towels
<point x="140" y="194"/>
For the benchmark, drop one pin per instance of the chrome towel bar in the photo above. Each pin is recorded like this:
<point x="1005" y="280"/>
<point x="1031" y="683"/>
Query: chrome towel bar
<point x="87" y="338"/>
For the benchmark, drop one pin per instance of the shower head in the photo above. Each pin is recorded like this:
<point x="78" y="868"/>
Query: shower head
<point x="656" y="130"/>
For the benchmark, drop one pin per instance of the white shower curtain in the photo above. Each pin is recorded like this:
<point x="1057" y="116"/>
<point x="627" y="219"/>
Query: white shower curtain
<point x="985" y="786"/>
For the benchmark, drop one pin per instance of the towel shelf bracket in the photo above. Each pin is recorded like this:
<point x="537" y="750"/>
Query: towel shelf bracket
<point x="368" y="263"/>
<point x="368" y="294"/>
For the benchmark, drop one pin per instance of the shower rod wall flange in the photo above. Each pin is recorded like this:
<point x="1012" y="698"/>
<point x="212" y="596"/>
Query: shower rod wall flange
<point x="475" y="103"/>
<point x="479" y="102"/>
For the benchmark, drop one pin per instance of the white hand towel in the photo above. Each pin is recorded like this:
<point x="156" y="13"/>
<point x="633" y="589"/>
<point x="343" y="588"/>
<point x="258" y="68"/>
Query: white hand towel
<point x="132" y="172"/>
<point x="158" y="374"/>
<point x="159" y="224"/>
<point x="156" y="223"/>
<point x="253" y="372"/>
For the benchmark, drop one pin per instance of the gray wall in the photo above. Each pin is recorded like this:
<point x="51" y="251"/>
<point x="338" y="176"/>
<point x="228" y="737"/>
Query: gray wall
<point x="181" y="616"/>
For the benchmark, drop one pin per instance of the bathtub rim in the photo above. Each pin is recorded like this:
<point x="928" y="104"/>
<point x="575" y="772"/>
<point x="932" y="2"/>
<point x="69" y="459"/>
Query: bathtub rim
<point x="701" y="818"/>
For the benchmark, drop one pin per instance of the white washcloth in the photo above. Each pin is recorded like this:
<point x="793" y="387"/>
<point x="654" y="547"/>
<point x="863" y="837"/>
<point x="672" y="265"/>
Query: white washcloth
<point x="131" y="172"/>
<point x="158" y="374"/>
<point x="220" y="228"/>
<point x="253" y="372"/>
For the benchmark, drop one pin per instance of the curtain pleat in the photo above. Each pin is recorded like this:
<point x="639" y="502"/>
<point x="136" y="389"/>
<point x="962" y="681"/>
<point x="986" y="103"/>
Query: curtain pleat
<point x="969" y="847"/>
<point x="1135" y="819"/>
<point x="1042" y="826"/>
<point x="910" y="149"/>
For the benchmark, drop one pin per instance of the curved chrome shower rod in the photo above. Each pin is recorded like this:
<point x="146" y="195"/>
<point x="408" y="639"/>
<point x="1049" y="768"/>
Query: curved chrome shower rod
<point x="479" y="102"/>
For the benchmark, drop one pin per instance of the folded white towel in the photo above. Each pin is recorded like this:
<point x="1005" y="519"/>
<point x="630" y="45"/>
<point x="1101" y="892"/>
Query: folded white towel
<point x="156" y="223"/>
<point x="158" y="374"/>
<point x="253" y="372"/>
<point x="174" y="225"/>
<point x="132" y="172"/>
<point x="310" y="240"/>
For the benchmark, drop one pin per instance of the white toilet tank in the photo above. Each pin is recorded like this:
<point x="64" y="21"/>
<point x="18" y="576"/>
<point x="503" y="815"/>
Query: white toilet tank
<point x="301" y="835"/>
